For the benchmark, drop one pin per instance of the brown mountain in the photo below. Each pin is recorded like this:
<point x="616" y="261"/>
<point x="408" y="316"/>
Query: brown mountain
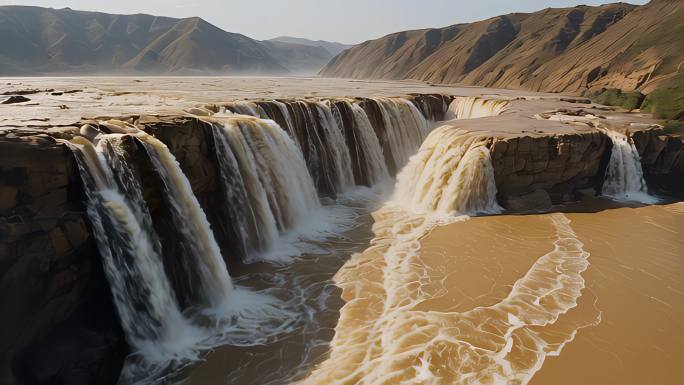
<point x="333" y="47"/>
<point x="555" y="49"/>
<point x="299" y="58"/>
<point x="36" y="40"/>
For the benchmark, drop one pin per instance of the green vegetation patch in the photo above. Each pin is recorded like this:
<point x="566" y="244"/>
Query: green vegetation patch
<point x="667" y="102"/>
<point x="615" y="97"/>
<point x="674" y="128"/>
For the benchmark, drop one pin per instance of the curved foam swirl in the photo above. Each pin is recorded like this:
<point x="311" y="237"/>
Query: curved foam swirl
<point x="386" y="336"/>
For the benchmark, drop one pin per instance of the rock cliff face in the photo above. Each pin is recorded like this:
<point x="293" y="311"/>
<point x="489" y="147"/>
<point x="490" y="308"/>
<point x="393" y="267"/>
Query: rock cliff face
<point x="59" y="325"/>
<point x="662" y="157"/>
<point x="559" y="165"/>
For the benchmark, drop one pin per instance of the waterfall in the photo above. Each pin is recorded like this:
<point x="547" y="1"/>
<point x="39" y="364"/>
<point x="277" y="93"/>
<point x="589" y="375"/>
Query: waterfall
<point x="624" y="175"/>
<point x="245" y="228"/>
<point x="201" y="252"/>
<point x="243" y="107"/>
<point x="374" y="161"/>
<point x="344" y="179"/>
<point x="470" y="107"/>
<point x="404" y="126"/>
<point x="452" y="172"/>
<point x="129" y="247"/>
<point x="273" y="175"/>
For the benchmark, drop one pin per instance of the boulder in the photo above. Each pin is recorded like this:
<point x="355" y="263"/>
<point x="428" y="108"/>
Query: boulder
<point x="15" y="99"/>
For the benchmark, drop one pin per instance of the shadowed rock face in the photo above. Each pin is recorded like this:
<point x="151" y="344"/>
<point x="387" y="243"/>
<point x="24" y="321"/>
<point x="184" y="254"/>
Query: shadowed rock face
<point x="59" y="324"/>
<point x="662" y="157"/>
<point x="560" y="165"/>
<point x="556" y="49"/>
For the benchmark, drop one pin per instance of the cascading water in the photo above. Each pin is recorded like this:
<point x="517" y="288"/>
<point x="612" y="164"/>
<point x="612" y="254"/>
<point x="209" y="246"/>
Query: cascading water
<point x="344" y="178"/>
<point x="267" y="186"/>
<point x="375" y="163"/>
<point x="130" y="248"/>
<point x="452" y="172"/>
<point x="198" y="243"/>
<point x="244" y="108"/>
<point x="624" y="175"/>
<point x="405" y="128"/>
<point x="273" y="175"/>
<point x="470" y="107"/>
<point x="242" y="218"/>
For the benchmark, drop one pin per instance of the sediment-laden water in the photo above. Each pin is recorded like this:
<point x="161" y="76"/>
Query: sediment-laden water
<point x="368" y="247"/>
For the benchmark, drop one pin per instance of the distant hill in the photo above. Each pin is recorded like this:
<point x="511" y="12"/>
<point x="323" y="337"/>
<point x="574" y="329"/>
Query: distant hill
<point x="43" y="41"/>
<point x="299" y="58"/>
<point x="332" y="47"/>
<point x="556" y="49"/>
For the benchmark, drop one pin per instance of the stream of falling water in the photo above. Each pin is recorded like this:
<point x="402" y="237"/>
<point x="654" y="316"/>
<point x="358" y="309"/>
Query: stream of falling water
<point x="200" y="245"/>
<point x="146" y="304"/>
<point x="471" y="107"/>
<point x="624" y="176"/>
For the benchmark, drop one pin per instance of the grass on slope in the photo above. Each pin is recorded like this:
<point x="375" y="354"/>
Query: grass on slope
<point x="667" y="102"/>
<point x="615" y="97"/>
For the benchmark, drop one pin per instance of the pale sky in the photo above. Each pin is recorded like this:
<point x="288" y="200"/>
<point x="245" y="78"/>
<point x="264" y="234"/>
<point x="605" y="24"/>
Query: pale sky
<point x="346" y="21"/>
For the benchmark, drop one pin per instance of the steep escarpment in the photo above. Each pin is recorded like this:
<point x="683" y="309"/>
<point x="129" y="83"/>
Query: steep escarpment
<point x="58" y="326"/>
<point x="556" y="49"/>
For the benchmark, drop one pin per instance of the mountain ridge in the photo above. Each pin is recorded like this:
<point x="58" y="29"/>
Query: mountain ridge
<point x="331" y="46"/>
<point x="555" y="50"/>
<point x="48" y="41"/>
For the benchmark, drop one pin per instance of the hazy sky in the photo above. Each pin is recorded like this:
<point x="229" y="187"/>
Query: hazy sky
<point x="346" y="21"/>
